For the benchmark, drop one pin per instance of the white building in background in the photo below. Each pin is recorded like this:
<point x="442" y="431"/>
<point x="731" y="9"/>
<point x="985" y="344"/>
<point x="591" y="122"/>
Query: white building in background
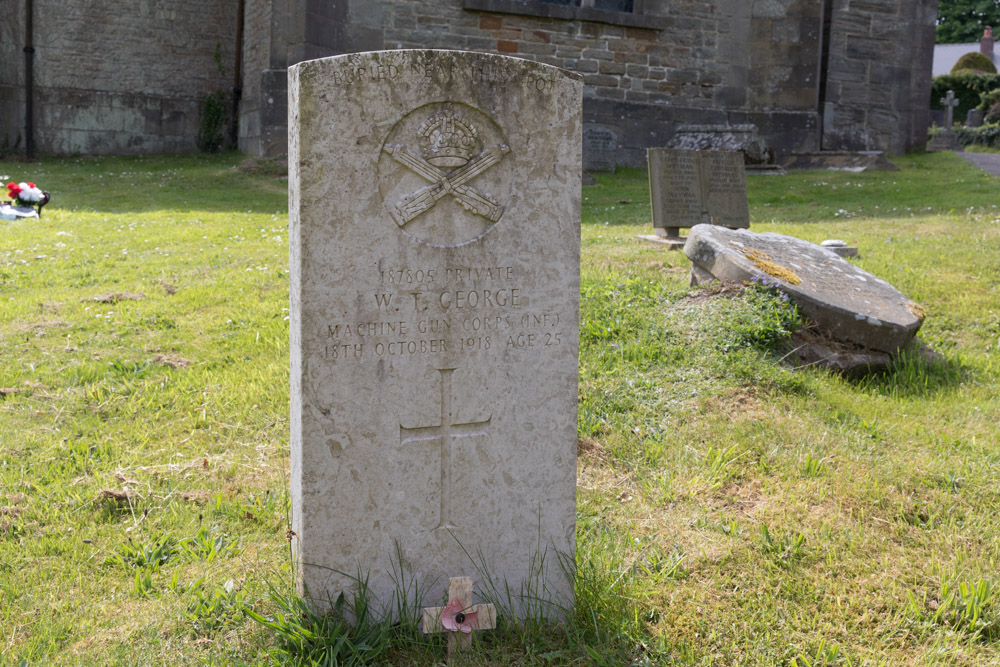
<point x="946" y="55"/>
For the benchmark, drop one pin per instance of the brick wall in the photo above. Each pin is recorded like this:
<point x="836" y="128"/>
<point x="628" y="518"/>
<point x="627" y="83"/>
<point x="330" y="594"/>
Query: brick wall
<point x="128" y="77"/>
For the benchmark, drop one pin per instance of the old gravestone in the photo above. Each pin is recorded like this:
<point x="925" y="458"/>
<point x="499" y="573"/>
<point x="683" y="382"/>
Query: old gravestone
<point x="689" y="187"/>
<point x="945" y="139"/>
<point x="600" y="148"/>
<point x="434" y="233"/>
<point x="846" y="302"/>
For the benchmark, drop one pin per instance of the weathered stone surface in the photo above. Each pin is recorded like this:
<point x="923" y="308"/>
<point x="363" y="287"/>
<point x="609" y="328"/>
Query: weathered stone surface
<point x="743" y="138"/>
<point x="688" y="188"/>
<point x="600" y="145"/>
<point x="856" y="161"/>
<point x="434" y="233"/>
<point x="840" y="247"/>
<point x="846" y="302"/>
<point x="944" y="140"/>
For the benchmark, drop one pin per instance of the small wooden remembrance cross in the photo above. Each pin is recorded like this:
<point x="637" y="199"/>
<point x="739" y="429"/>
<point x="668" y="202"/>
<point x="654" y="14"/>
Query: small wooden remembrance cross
<point x="459" y="618"/>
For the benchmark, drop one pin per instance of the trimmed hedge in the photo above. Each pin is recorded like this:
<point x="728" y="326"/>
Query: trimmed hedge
<point x="969" y="88"/>
<point x="976" y="62"/>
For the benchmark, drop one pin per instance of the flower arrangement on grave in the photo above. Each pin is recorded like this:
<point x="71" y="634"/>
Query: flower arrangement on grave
<point x="25" y="194"/>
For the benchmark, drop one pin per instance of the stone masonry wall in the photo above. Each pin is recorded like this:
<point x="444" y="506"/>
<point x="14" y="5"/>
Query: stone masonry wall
<point x="256" y="59"/>
<point x="878" y="80"/>
<point x="11" y="83"/>
<point x="680" y="61"/>
<point x="128" y="77"/>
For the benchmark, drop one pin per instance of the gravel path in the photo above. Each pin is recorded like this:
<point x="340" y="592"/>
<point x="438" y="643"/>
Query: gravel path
<point x="988" y="162"/>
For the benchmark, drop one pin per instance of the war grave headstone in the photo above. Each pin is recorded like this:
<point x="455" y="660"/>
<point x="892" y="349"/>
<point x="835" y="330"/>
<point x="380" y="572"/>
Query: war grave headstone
<point x="435" y="251"/>
<point x="689" y="188"/>
<point x="945" y="139"/>
<point x="845" y="302"/>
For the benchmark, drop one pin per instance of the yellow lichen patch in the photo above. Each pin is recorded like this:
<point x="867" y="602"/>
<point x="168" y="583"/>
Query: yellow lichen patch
<point x="916" y="309"/>
<point x="763" y="262"/>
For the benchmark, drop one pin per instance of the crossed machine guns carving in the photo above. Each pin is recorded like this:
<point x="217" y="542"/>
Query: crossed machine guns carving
<point x="448" y="141"/>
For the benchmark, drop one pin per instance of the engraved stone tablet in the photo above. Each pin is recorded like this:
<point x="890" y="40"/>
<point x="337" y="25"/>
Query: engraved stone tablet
<point x="688" y="188"/>
<point x="848" y="303"/>
<point x="600" y="148"/>
<point x="435" y="249"/>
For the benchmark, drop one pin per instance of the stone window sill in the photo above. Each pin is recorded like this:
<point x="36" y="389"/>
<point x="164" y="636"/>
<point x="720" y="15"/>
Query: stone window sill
<point x="546" y="10"/>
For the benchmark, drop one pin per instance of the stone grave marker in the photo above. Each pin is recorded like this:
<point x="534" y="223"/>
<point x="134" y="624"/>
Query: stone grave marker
<point x="600" y="148"/>
<point x="945" y="139"/>
<point x="435" y="251"/>
<point x="848" y="303"/>
<point x="689" y="188"/>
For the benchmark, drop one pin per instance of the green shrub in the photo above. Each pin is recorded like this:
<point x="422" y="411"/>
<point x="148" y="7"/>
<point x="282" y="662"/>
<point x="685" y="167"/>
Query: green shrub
<point x="213" y="118"/>
<point x="987" y="135"/>
<point x="992" y="113"/>
<point x="969" y="87"/>
<point x="974" y="62"/>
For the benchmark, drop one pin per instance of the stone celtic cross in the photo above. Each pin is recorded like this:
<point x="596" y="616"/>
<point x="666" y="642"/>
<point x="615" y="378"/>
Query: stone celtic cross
<point x="950" y="102"/>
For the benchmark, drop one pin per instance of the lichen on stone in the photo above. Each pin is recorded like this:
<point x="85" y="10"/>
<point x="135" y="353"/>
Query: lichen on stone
<point x="916" y="310"/>
<point x="763" y="262"/>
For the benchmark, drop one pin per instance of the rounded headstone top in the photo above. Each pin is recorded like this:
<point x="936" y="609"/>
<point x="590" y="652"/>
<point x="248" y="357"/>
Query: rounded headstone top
<point x="847" y="302"/>
<point x="833" y="243"/>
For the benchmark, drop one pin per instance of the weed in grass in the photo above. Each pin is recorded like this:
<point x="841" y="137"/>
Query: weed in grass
<point x="824" y="655"/>
<point x="206" y="544"/>
<point x="143" y="584"/>
<point x="658" y="565"/>
<point x="970" y="607"/>
<point x="762" y="317"/>
<point x="813" y="467"/>
<point x="150" y="555"/>
<point x="307" y="636"/>
<point x="915" y="373"/>
<point x="211" y="611"/>
<point x="784" y="549"/>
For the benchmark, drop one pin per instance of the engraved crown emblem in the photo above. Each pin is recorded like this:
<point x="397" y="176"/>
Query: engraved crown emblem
<point x="448" y="140"/>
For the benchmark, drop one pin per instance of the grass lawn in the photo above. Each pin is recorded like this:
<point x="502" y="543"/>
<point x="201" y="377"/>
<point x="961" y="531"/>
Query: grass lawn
<point x="731" y="510"/>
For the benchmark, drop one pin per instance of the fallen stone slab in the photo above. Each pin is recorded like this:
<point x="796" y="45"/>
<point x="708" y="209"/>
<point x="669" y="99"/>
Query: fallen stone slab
<point x="846" y="302"/>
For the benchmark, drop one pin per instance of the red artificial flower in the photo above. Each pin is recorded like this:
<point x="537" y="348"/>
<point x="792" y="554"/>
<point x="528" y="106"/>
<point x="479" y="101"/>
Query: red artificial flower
<point x="30" y="184"/>
<point x="456" y="617"/>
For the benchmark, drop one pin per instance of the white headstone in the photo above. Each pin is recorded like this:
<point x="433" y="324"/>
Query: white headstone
<point x="435" y="249"/>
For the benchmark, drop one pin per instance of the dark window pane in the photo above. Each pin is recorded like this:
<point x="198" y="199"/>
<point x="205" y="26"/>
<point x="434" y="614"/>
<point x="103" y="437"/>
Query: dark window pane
<point x="614" y="5"/>
<point x="570" y="3"/>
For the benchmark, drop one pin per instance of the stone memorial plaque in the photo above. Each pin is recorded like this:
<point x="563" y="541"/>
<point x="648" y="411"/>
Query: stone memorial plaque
<point x="725" y="186"/>
<point x="688" y="188"/>
<point x="600" y="148"/>
<point x="435" y="253"/>
<point x="848" y="303"/>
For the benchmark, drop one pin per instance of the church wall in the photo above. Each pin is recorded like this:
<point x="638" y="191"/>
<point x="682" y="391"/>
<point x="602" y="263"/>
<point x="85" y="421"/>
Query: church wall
<point x="879" y="74"/>
<point x="124" y="77"/>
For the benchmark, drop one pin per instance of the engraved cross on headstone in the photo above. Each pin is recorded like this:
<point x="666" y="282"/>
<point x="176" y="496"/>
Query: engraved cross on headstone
<point x="446" y="431"/>
<point x="950" y="102"/>
<point x="460" y="613"/>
